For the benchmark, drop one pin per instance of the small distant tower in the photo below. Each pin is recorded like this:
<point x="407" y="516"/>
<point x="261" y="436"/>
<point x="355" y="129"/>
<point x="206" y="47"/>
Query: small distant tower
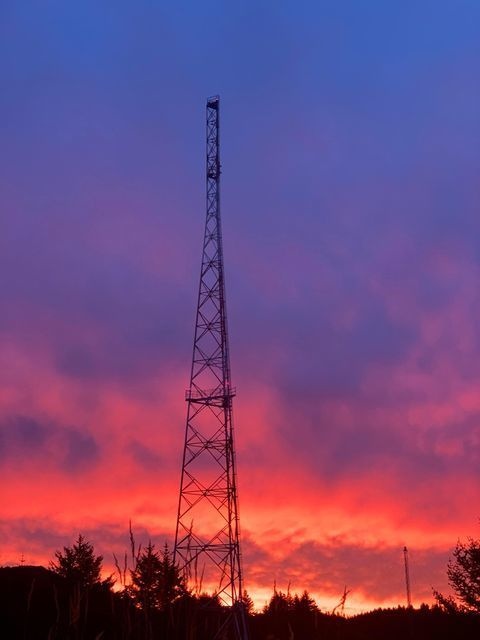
<point x="207" y="545"/>
<point x="407" y="576"/>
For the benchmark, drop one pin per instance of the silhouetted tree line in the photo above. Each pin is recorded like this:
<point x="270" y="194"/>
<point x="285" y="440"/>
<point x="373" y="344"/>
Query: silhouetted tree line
<point x="71" y="601"/>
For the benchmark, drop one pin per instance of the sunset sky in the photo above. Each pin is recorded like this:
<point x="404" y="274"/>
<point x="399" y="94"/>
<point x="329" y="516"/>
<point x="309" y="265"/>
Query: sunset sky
<point x="350" y="203"/>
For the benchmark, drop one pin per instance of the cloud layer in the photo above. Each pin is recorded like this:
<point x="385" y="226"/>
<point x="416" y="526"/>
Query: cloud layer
<point x="351" y="158"/>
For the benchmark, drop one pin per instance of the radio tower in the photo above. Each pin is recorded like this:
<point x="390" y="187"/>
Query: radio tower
<point x="207" y="547"/>
<point x="407" y="576"/>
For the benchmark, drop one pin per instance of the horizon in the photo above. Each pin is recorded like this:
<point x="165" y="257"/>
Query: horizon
<point x="350" y="163"/>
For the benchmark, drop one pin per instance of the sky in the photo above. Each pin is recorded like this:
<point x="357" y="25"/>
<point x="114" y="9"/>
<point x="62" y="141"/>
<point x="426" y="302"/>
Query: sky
<point x="350" y="199"/>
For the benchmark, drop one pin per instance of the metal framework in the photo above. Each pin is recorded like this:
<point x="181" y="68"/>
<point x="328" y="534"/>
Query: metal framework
<point x="407" y="576"/>
<point x="207" y="547"/>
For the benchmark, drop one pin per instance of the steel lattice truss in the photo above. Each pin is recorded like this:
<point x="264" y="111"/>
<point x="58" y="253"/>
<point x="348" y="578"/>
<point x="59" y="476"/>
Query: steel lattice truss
<point x="207" y="536"/>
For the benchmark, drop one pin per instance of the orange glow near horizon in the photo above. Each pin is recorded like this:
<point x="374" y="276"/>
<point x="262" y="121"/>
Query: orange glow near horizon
<point x="315" y="514"/>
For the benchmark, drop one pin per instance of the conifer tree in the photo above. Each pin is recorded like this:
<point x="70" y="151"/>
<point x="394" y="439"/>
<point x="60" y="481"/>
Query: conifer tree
<point x="463" y="573"/>
<point x="156" y="581"/>
<point x="247" y="602"/>
<point x="79" y="564"/>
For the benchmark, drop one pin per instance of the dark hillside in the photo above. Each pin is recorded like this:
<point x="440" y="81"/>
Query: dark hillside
<point x="38" y="604"/>
<point x="30" y="600"/>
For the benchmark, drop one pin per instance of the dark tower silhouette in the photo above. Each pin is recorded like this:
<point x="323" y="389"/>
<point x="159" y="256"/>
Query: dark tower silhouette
<point x="207" y="547"/>
<point x="407" y="576"/>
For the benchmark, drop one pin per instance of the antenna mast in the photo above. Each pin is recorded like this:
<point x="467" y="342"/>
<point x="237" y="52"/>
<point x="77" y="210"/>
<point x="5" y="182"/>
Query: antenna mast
<point x="207" y="546"/>
<point x="407" y="576"/>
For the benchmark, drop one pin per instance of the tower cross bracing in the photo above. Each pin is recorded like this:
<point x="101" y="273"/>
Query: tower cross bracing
<point x="207" y="544"/>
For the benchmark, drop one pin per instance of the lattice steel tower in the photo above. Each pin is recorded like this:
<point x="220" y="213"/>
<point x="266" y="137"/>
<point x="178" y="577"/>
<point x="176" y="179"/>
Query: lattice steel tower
<point x="207" y="546"/>
<point x="407" y="576"/>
